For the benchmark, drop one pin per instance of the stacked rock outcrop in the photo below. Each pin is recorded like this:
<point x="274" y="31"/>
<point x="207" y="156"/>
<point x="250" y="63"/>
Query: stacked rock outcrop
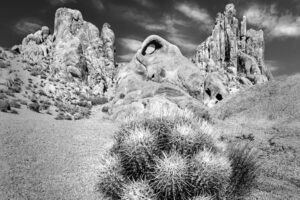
<point x="76" y="51"/>
<point x="158" y="77"/>
<point x="233" y="53"/>
<point x="81" y="52"/>
<point x="65" y="72"/>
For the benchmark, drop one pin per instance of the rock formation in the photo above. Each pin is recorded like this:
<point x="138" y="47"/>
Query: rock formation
<point x="81" y="52"/>
<point x="74" y="68"/>
<point x="65" y="72"/>
<point x="75" y="52"/>
<point x="158" y="76"/>
<point x="232" y="51"/>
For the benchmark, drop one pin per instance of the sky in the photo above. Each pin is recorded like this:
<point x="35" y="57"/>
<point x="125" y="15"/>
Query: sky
<point x="186" y="23"/>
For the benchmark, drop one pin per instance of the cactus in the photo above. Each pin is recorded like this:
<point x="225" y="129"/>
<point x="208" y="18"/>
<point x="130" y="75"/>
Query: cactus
<point x="170" y="177"/>
<point x="187" y="141"/>
<point x="175" y="158"/>
<point x="203" y="198"/>
<point x="138" y="190"/>
<point x="137" y="153"/>
<point x="110" y="177"/>
<point x="210" y="174"/>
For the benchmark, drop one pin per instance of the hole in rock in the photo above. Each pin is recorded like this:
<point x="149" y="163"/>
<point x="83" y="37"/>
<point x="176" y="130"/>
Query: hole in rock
<point x="151" y="47"/>
<point x="219" y="97"/>
<point x="163" y="73"/>
<point x="208" y="92"/>
<point x="122" y="96"/>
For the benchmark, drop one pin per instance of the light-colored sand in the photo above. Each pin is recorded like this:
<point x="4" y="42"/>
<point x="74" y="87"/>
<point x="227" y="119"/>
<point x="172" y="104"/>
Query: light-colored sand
<point x="41" y="158"/>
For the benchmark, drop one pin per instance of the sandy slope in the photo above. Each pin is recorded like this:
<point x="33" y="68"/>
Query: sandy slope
<point x="41" y="158"/>
<point x="268" y="116"/>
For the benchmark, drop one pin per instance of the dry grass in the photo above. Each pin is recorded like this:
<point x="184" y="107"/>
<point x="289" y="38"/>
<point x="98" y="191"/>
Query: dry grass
<point x="270" y="114"/>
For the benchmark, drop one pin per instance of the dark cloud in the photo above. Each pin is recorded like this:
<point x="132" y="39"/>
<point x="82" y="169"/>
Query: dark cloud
<point x="275" y="23"/>
<point x="61" y="2"/>
<point x="186" y="23"/>
<point x="98" y="4"/>
<point x="26" y="26"/>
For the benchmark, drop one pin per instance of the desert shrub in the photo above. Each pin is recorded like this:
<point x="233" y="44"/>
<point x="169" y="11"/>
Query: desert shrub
<point x="34" y="107"/>
<point x="179" y="158"/>
<point x="105" y="109"/>
<point x="15" y="104"/>
<point x="99" y="101"/>
<point x="14" y="84"/>
<point x="4" y="106"/>
<point x="3" y="96"/>
<point x="60" y="116"/>
<point x="3" y="64"/>
<point x="13" y="111"/>
<point x="245" y="170"/>
<point x="35" y="72"/>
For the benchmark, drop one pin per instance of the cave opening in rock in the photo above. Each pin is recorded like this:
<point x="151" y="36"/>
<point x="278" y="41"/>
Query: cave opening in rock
<point x="151" y="47"/>
<point x="219" y="97"/>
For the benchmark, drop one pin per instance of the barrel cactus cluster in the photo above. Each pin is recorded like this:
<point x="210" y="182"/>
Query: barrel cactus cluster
<point x="176" y="158"/>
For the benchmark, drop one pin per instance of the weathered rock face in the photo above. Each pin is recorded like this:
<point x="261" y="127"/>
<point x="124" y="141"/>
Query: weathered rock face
<point x="234" y="51"/>
<point x="157" y="71"/>
<point x="76" y="51"/>
<point x="63" y="73"/>
<point x="81" y="52"/>
<point x="35" y="47"/>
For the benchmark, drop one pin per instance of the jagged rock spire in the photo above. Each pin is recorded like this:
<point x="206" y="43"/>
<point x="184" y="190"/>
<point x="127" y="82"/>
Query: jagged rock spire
<point x="228" y="44"/>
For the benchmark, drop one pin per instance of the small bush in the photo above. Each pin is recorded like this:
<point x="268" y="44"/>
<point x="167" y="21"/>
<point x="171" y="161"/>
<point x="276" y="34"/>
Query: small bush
<point x="60" y="116"/>
<point x="105" y="109"/>
<point x="3" y="96"/>
<point x="34" y="107"/>
<point x="13" y="111"/>
<point x="4" y="106"/>
<point x="99" y="101"/>
<point x="245" y="170"/>
<point x="15" y="104"/>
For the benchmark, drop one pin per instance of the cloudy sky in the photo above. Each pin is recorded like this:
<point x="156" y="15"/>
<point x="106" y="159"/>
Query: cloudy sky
<point x="185" y="23"/>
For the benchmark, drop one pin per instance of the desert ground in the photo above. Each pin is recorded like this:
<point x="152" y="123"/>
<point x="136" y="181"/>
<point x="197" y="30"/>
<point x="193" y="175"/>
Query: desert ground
<point x="42" y="158"/>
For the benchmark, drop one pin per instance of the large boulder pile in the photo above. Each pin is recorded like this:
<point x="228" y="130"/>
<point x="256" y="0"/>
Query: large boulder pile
<point x="232" y="57"/>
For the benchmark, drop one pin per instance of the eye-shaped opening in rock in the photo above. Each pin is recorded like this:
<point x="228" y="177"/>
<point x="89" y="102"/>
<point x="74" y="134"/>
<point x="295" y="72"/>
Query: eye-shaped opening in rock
<point x="151" y="47"/>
